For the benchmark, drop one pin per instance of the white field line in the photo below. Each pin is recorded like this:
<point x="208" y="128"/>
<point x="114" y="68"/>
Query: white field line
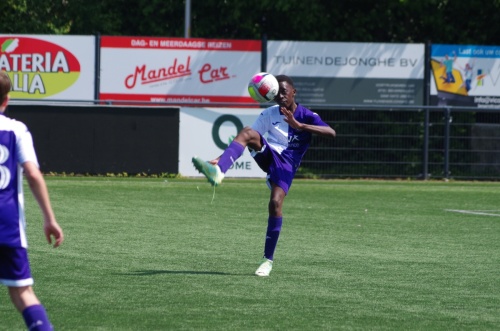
<point x="476" y="212"/>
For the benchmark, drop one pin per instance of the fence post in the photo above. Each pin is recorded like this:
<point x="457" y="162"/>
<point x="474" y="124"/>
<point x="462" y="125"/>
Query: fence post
<point x="427" y="71"/>
<point x="425" y="157"/>
<point x="447" y="124"/>
<point x="97" y="67"/>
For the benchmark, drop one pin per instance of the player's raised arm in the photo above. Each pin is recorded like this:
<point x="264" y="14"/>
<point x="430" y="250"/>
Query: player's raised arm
<point x="324" y="131"/>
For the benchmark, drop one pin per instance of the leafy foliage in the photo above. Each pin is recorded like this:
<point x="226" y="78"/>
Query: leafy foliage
<point x="437" y="21"/>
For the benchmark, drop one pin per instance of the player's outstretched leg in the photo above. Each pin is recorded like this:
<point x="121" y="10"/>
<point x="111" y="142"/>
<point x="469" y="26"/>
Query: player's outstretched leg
<point x="212" y="172"/>
<point x="265" y="268"/>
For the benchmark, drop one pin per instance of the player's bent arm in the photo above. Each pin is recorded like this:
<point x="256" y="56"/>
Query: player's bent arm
<point x="325" y="131"/>
<point x="40" y="192"/>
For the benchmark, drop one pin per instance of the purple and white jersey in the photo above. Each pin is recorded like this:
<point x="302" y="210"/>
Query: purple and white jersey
<point x="16" y="148"/>
<point x="284" y="139"/>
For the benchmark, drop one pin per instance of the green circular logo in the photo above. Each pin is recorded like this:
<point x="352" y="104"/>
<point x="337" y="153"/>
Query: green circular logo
<point x="216" y="128"/>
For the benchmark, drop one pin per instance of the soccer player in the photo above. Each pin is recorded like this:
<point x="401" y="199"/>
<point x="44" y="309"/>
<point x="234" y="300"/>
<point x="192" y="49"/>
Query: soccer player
<point x="17" y="155"/>
<point x="277" y="141"/>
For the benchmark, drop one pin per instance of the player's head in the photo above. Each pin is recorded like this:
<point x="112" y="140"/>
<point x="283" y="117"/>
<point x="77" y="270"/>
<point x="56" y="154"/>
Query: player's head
<point x="5" y="86"/>
<point x="286" y="92"/>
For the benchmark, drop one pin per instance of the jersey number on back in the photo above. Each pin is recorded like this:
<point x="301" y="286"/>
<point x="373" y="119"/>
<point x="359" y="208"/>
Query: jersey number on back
<point x="4" y="171"/>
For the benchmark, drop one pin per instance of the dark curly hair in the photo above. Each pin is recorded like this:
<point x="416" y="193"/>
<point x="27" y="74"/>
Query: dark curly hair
<point x="285" y="78"/>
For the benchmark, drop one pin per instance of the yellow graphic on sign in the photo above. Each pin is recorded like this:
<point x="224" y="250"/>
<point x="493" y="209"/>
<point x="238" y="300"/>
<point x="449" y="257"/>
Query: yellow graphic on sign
<point x="443" y="83"/>
<point x="34" y="85"/>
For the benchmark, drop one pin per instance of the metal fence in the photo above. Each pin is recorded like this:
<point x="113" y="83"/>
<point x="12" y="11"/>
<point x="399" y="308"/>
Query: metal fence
<point x="407" y="142"/>
<point x="415" y="142"/>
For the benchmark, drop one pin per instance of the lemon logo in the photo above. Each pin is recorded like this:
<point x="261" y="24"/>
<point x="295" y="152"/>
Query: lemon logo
<point x="37" y="68"/>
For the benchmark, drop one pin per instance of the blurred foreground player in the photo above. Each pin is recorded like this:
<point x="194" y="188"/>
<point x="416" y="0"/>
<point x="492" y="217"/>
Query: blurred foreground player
<point x="17" y="154"/>
<point x="277" y="141"/>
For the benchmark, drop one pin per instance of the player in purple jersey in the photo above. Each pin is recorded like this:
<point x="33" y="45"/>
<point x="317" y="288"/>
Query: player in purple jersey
<point x="17" y="155"/>
<point x="277" y="141"/>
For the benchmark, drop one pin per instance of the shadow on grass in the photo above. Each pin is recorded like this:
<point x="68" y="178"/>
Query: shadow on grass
<point x="177" y="272"/>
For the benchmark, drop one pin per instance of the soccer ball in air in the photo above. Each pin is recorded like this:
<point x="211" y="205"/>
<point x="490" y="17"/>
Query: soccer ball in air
<point x="263" y="87"/>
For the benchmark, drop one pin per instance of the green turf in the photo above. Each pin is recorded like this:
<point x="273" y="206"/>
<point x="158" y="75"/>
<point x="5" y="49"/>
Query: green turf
<point x="156" y="254"/>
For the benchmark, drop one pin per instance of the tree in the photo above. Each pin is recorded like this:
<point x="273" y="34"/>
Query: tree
<point x="31" y="16"/>
<point x="404" y="21"/>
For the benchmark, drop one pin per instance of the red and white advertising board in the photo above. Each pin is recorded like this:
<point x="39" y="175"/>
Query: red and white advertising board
<point x="177" y="70"/>
<point x="49" y="67"/>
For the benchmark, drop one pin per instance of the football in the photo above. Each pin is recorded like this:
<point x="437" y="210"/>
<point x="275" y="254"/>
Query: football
<point x="263" y="87"/>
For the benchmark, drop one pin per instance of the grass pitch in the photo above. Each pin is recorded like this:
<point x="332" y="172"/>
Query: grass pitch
<point x="156" y="254"/>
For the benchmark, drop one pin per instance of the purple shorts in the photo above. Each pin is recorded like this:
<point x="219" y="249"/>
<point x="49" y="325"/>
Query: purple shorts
<point x="279" y="169"/>
<point x="14" y="267"/>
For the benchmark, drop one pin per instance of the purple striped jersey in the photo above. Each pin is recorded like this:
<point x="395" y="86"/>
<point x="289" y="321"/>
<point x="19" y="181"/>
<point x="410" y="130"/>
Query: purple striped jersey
<point x="16" y="147"/>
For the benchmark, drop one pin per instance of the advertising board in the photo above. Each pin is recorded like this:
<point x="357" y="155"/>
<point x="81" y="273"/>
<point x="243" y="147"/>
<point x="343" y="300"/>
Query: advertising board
<point x="178" y="70"/>
<point x="351" y="73"/>
<point x="206" y="132"/>
<point x="49" y="67"/>
<point x="465" y="75"/>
